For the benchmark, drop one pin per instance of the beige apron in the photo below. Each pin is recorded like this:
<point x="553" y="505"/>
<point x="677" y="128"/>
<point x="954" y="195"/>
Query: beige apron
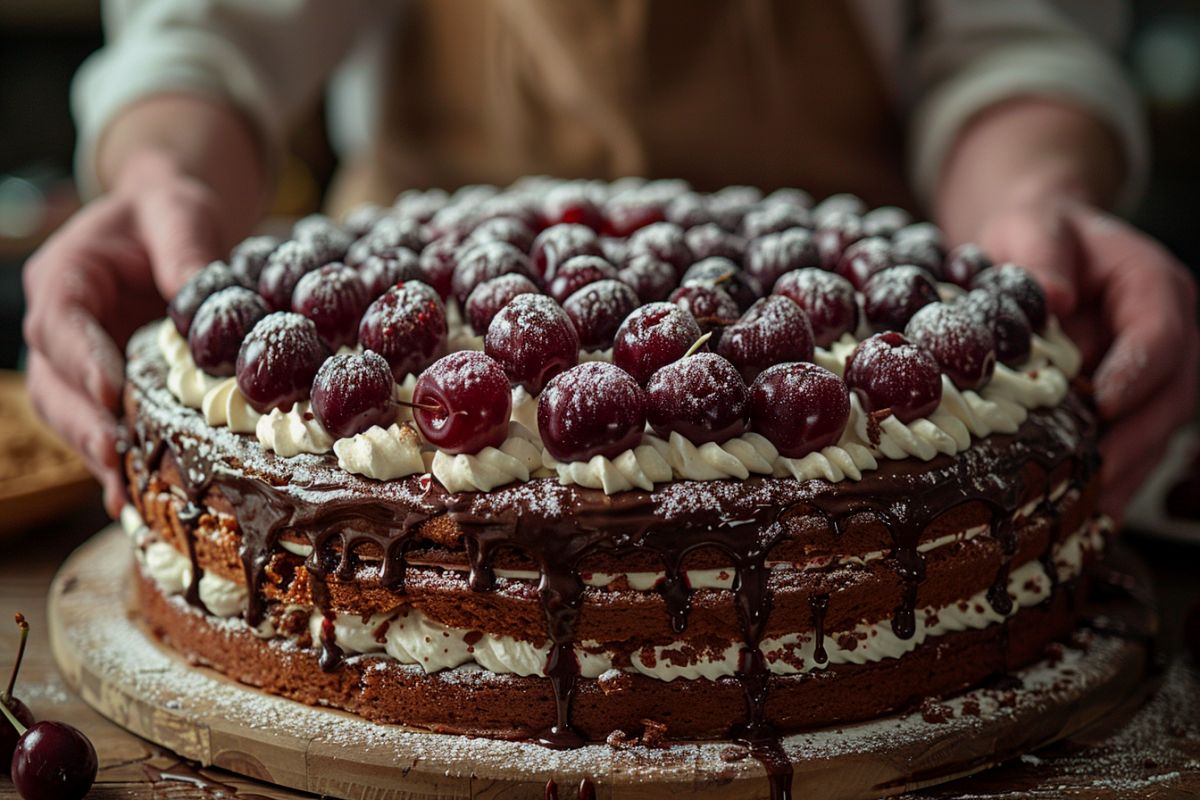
<point x="718" y="92"/>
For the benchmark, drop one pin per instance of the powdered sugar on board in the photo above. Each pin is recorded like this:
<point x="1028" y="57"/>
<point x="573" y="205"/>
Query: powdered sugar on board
<point x="114" y="664"/>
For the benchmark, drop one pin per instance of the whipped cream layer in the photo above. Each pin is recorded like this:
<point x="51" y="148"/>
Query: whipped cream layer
<point x="409" y="637"/>
<point x="386" y="454"/>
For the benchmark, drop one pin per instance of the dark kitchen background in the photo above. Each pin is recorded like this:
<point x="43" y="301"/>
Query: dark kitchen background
<point x="43" y="41"/>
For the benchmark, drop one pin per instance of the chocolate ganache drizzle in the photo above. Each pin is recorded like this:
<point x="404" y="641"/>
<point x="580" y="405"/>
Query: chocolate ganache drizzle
<point x="556" y="527"/>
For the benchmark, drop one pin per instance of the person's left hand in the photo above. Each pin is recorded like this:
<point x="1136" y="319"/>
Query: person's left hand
<point x="1131" y="308"/>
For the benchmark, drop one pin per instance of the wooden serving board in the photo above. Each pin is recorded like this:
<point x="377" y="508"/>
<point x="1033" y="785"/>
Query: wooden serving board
<point x="107" y="657"/>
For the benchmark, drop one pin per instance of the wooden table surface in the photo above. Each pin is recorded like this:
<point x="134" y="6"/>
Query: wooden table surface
<point x="1152" y="752"/>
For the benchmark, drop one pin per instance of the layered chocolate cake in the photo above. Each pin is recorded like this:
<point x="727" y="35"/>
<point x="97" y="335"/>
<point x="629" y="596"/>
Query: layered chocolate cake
<point x="572" y="461"/>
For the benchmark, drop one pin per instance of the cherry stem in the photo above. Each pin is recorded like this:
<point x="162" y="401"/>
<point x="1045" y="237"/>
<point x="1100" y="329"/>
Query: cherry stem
<point x="12" y="679"/>
<point x="16" y="723"/>
<point x="422" y="406"/>
<point x="703" y="340"/>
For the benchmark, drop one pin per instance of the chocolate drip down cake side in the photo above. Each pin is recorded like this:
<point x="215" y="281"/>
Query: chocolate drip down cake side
<point x="569" y="462"/>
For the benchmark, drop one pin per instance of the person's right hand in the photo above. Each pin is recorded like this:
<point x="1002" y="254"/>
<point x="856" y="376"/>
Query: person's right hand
<point x="107" y="271"/>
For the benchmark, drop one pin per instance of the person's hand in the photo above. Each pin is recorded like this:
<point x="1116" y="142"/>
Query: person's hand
<point x="106" y="272"/>
<point x="1131" y="308"/>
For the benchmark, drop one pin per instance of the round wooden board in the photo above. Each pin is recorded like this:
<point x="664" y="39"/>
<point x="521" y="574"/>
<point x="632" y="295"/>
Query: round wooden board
<point x="107" y="657"/>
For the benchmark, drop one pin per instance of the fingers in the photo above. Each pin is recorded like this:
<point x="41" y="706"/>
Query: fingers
<point x="180" y="232"/>
<point x="1135" y="444"/>
<point x="67" y="295"/>
<point x="1040" y="239"/>
<point x="88" y="428"/>
<point x="1149" y="305"/>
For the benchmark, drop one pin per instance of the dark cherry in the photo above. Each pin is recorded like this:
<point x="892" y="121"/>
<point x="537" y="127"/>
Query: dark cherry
<point x="569" y="204"/>
<point x="8" y="732"/>
<point x="509" y="230"/>
<point x="380" y="273"/>
<point x="418" y="205"/>
<point x="486" y="299"/>
<point x="290" y="262"/>
<point x="1015" y="282"/>
<point x="774" y="217"/>
<point x="963" y="263"/>
<point x="960" y="341"/>
<point x="201" y="286"/>
<point x="893" y="295"/>
<point x="359" y="220"/>
<point x="533" y="339"/>
<point x="649" y="277"/>
<point x="772" y="255"/>
<point x="53" y="761"/>
<point x="407" y="326"/>
<point x="438" y="262"/>
<point x="799" y="407"/>
<point x="278" y="359"/>
<point x="774" y="331"/>
<point x="835" y="232"/>
<point x="482" y="262"/>
<point x="701" y="397"/>
<point x="625" y="215"/>
<point x="220" y="326"/>
<point x="352" y="392"/>
<point x="711" y="307"/>
<point x="577" y="272"/>
<point x="885" y="221"/>
<point x="721" y="273"/>
<point x="837" y="205"/>
<point x="730" y="205"/>
<point x="688" y="211"/>
<point x="248" y="259"/>
<point x="593" y="409"/>
<point x="323" y="236"/>
<point x="334" y="298"/>
<point x="615" y="250"/>
<point x="462" y="403"/>
<point x="651" y="337"/>
<point x="711" y="241"/>
<point x="665" y="241"/>
<point x="920" y="252"/>
<point x="890" y="373"/>
<point x="826" y="297"/>
<point x="390" y="234"/>
<point x="925" y="232"/>
<point x="1011" y="332"/>
<point x="790" y="196"/>
<point x="597" y="311"/>
<point x="556" y="244"/>
<point x="864" y="258"/>
<point x="511" y="208"/>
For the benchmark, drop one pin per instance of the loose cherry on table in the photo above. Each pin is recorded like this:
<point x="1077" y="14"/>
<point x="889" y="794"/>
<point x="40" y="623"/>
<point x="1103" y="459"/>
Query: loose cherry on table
<point x="8" y="733"/>
<point x="652" y="337"/>
<point x="701" y="397"/>
<point x="462" y="403"/>
<point x="533" y="339"/>
<point x="353" y="392"/>
<point x="592" y="409"/>
<point x="774" y="331"/>
<point x="49" y="760"/>
<point x="799" y="407"/>
<point x="891" y="374"/>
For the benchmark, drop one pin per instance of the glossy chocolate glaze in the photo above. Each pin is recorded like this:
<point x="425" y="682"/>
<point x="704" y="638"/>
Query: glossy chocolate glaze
<point x="556" y="527"/>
